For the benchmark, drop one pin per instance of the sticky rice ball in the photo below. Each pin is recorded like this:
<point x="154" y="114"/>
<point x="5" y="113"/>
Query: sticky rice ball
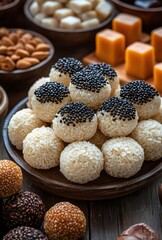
<point x="123" y="157"/>
<point x="42" y="148"/>
<point x="98" y="139"/>
<point x="109" y="73"/>
<point x="64" y="221"/>
<point x="148" y="134"/>
<point x="75" y="122"/>
<point x="81" y="162"/>
<point x="48" y="99"/>
<point x="22" y="123"/>
<point x="63" y="70"/>
<point x="11" y="178"/>
<point x="117" y="117"/>
<point x="90" y="87"/>
<point x="143" y="96"/>
<point x="36" y="85"/>
<point x="158" y="116"/>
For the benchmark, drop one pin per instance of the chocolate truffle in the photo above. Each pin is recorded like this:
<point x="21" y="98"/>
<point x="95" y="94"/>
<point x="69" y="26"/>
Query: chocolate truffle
<point x="11" y="178"/>
<point x="23" y="209"/>
<point x="25" y="233"/>
<point x="75" y="122"/>
<point x="63" y="70"/>
<point x="64" y="221"/>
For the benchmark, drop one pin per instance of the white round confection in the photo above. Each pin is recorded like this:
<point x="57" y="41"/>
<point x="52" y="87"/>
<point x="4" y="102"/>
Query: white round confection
<point x="36" y="85"/>
<point x="158" y="116"/>
<point x="63" y="70"/>
<point x="98" y="139"/>
<point x="90" y="87"/>
<point x="117" y="117"/>
<point x="143" y="96"/>
<point x="75" y="122"/>
<point x="42" y="148"/>
<point x="123" y="157"/>
<point x="81" y="162"/>
<point x="48" y="99"/>
<point x="22" y="123"/>
<point x="148" y="134"/>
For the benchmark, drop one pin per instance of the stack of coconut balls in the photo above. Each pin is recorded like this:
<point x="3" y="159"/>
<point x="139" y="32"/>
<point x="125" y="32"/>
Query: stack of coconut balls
<point x="81" y="119"/>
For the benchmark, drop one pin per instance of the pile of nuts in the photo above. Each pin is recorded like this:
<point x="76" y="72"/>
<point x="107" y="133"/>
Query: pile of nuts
<point x="20" y="49"/>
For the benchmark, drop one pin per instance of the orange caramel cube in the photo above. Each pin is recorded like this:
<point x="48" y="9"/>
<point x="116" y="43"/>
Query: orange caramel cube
<point x="110" y="46"/>
<point x="156" y="42"/>
<point x="157" y="79"/>
<point x="139" y="60"/>
<point x="129" y="25"/>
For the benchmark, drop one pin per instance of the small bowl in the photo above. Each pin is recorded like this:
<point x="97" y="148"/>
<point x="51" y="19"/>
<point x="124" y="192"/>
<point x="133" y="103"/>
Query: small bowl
<point x="3" y="103"/>
<point x="151" y="17"/>
<point x="10" y="78"/>
<point x="67" y="37"/>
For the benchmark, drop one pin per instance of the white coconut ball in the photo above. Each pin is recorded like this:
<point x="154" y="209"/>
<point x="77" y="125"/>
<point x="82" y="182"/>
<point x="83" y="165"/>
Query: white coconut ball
<point x="123" y="157"/>
<point x="42" y="148"/>
<point x="81" y="162"/>
<point x="22" y="123"/>
<point x="148" y="134"/>
<point x="98" y="139"/>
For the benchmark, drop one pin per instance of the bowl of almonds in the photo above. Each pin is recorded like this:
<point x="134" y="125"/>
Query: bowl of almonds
<point x="69" y="23"/>
<point x="24" y="55"/>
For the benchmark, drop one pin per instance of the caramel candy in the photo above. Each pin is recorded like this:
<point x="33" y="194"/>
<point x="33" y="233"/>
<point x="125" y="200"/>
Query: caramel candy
<point x="129" y="25"/>
<point x="139" y="60"/>
<point x="156" y="42"/>
<point x="110" y="46"/>
<point x="157" y="77"/>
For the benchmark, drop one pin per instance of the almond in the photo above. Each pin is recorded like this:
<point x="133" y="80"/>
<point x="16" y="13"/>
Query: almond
<point x="3" y="49"/>
<point x="8" y="64"/>
<point x="40" y="54"/>
<point x="42" y="47"/>
<point x="22" y="53"/>
<point x="23" y="64"/>
<point x="15" y="57"/>
<point x="38" y="40"/>
<point x="14" y="37"/>
<point x="29" y="47"/>
<point x="11" y="50"/>
<point x="32" y="60"/>
<point x="19" y="32"/>
<point x="3" y="32"/>
<point x="7" y="41"/>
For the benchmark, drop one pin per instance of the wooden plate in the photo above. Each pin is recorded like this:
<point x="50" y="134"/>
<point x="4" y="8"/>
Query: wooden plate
<point x="102" y="188"/>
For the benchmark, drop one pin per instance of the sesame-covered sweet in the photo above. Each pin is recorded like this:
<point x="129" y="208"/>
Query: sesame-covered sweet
<point x="48" y="99"/>
<point x="64" y="221"/>
<point x="23" y="209"/>
<point x="117" y="117"/>
<point x="143" y="96"/>
<point x="90" y="87"/>
<point x="63" y="70"/>
<point x="25" y="233"/>
<point x="11" y="178"/>
<point x="75" y="122"/>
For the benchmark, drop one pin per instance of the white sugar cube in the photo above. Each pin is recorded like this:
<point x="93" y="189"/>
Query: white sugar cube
<point x="63" y="12"/>
<point x="49" y="7"/>
<point x="50" y="22"/>
<point x="70" y="22"/>
<point x="104" y="9"/>
<point x="80" y="6"/>
<point x="90" y="23"/>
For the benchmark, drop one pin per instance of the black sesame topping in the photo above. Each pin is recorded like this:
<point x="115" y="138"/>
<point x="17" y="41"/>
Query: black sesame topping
<point x="53" y="92"/>
<point x="118" y="108"/>
<point x="68" y="65"/>
<point x="105" y="68"/>
<point x="75" y="112"/>
<point x="25" y="233"/>
<point x="138" y="92"/>
<point x="88" y="79"/>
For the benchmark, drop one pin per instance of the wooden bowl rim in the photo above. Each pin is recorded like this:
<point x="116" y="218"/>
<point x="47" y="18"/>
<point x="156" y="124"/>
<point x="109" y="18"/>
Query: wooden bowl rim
<point x="4" y="102"/>
<point x="9" y="5"/>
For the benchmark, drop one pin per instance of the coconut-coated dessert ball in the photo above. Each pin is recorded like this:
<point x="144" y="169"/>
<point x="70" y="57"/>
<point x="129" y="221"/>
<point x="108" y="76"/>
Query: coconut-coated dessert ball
<point x="22" y="123"/>
<point x="98" y="139"/>
<point x="64" y="221"/>
<point x="23" y="209"/>
<point x="89" y="86"/>
<point x="143" y="96"/>
<point x="36" y="85"/>
<point x="75" y="122"/>
<point x="109" y="73"/>
<point x="148" y="134"/>
<point x="117" y="117"/>
<point x="42" y="148"/>
<point x="123" y="157"/>
<point x="11" y="178"/>
<point x="81" y="162"/>
<point x="48" y="99"/>
<point x="63" y="70"/>
<point x="25" y="233"/>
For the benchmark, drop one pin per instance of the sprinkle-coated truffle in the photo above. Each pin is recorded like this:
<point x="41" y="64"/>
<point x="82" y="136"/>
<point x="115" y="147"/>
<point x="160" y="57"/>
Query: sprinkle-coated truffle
<point x="25" y="233"/>
<point x="63" y="70"/>
<point x="117" y="117"/>
<point x="90" y="87"/>
<point x="143" y="96"/>
<point x="11" y="178"/>
<point x="64" y="221"/>
<point x="75" y="122"/>
<point x="23" y="209"/>
<point x="48" y="99"/>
